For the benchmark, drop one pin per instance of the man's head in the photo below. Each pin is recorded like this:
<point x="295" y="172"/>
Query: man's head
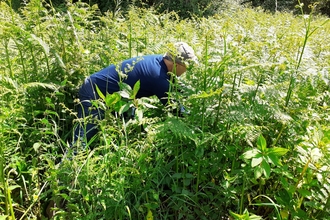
<point x="180" y="56"/>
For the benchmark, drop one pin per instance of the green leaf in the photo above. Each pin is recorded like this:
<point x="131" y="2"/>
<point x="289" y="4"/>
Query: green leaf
<point x="3" y="217"/>
<point x="229" y="178"/>
<point x="326" y="137"/>
<point x="118" y="105"/>
<point x="266" y="168"/>
<point x="283" y="197"/>
<point x="305" y="192"/>
<point x="155" y="195"/>
<point x="111" y="100"/>
<point x="135" y="89"/>
<point x="186" y="182"/>
<point x="177" y="175"/>
<point x="261" y="143"/>
<point x="274" y="160"/>
<point x="125" y="90"/>
<point x="238" y="216"/>
<point x="124" y="94"/>
<point x="139" y="114"/>
<point x="255" y="217"/>
<point x="316" y="154"/>
<point x="245" y="216"/>
<point x="204" y="94"/>
<point x="250" y="154"/>
<point x="99" y="92"/>
<point x="59" y="94"/>
<point x="64" y="82"/>
<point x="42" y="43"/>
<point x="149" y="105"/>
<point x="12" y="187"/>
<point x="36" y="146"/>
<point x="257" y="172"/>
<point x="124" y="107"/>
<point x="59" y="61"/>
<point x="277" y="151"/>
<point x="40" y="84"/>
<point x="199" y="151"/>
<point x="149" y="215"/>
<point x="256" y="160"/>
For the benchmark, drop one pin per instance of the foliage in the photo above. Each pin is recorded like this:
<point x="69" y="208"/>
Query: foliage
<point x="190" y="8"/>
<point x="183" y="8"/>
<point x="320" y="6"/>
<point x="254" y="146"/>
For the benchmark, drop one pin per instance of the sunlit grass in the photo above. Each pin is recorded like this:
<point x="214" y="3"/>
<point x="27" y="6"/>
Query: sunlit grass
<point x="259" y="75"/>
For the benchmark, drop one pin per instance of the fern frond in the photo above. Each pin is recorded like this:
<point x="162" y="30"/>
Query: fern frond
<point x="180" y="129"/>
<point x="43" y="85"/>
<point x="8" y="82"/>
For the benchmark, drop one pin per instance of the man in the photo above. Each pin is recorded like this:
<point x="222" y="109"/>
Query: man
<point x="151" y="70"/>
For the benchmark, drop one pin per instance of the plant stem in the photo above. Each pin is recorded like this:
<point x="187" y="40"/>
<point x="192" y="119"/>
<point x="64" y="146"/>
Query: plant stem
<point x="279" y="135"/>
<point x="10" y="205"/>
<point x="11" y="73"/>
<point x="2" y="176"/>
<point x="34" y="62"/>
<point x="302" y="174"/>
<point x="203" y="113"/>
<point x="130" y="40"/>
<point x="220" y="69"/>
<point x="295" y="72"/>
<point x="34" y="201"/>
<point x="257" y="88"/>
<point x="204" y="82"/>
<point x="22" y="61"/>
<point x="233" y="87"/>
<point x="242" y="195"/>
<point x="11" y="11"/>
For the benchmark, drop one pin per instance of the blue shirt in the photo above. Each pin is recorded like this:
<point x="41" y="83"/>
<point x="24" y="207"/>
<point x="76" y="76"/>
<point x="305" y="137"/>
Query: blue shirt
<point x="150" y="70"/>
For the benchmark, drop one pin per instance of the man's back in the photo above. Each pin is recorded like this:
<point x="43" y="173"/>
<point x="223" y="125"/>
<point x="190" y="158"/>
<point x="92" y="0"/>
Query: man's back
<point x="150" y="70"/>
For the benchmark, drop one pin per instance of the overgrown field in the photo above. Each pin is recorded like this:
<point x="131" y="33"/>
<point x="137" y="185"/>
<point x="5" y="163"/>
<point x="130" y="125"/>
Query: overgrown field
<point x="256" y="144"/>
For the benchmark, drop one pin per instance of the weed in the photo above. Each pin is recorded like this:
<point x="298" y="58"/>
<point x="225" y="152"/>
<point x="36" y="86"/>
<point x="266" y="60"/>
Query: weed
<point x="256" y="141"/>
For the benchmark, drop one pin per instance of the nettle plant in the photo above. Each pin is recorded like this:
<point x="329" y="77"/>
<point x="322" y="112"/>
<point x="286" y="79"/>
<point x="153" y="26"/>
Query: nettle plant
<point x="262" y="158"/>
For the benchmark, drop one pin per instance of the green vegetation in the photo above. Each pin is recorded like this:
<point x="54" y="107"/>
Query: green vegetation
<point x="189" y="8"/>
<point x="256" y="144"/>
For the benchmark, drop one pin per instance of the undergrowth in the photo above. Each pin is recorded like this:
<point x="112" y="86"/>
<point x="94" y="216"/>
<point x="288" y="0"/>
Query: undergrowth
<point x="254" y="146"/>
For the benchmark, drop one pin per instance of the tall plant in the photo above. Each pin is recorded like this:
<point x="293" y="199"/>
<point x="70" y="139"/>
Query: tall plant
<point x="307" y="19"/>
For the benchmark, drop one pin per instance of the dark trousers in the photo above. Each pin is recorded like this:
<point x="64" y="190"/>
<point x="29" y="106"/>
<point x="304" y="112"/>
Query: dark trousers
<point x="86" y="130"/>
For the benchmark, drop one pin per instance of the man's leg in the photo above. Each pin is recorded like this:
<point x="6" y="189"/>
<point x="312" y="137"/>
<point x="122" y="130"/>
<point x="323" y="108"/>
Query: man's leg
<point x="86" y="129"/>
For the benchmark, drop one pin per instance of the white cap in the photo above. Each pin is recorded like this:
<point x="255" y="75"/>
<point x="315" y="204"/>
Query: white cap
<point x="183" y="54"/>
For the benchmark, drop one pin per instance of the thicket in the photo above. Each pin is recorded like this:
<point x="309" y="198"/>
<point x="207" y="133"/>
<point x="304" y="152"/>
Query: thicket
<point x="319" y="6"/>
<point x="189" y="8"/>
<point x="256" y="144"/>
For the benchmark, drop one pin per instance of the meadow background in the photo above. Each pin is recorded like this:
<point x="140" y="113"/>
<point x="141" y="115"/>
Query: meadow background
<point x="256" y="144"/>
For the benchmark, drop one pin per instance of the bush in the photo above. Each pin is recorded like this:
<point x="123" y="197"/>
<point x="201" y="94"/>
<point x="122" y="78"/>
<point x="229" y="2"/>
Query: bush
<point x="322" y="6"/>
<point x="255" y="144"/>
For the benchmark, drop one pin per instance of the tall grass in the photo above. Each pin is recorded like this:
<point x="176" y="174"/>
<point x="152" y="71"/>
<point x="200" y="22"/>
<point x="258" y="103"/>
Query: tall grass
<point x="255" y="144"/>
